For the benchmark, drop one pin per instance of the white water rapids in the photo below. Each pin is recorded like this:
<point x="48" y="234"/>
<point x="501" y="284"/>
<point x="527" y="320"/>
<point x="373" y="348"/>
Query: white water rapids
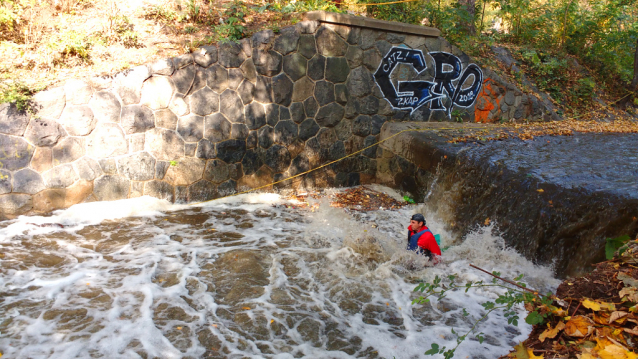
<point x="244" y="277"/>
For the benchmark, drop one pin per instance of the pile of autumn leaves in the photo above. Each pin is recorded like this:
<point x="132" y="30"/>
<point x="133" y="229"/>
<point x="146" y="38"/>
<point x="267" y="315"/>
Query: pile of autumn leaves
<point x="364" y="199"/>
<point x="603" y="329"/>
<point x="551" y="128"/>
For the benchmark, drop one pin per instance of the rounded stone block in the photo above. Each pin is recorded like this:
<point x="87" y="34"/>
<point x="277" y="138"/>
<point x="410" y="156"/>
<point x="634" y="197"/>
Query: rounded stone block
<point x="354" y="56"/>
<point x="107" y="140"/>
<point x="231" y="54"/>
<point x="295" y="65"/>
<point x="205" y="56"/>
<point x="78" y="120"/>
<point x="235" y="77"/>
<point x="287" y="41"/>
<point x="204" y="102"/>
<point x="307" y="129"/>
<point x="68" y="150"/>
<point x="111" y="188"/>
<point x="157" y="92"/>
<point x="246" y="92"/>
<point x="282" y="88"/>
<point x="302" y="89"/>
<point x="137" y="167"/>
<point x="105" y="106"/>
<point x="49" y="200"/>
<point x="217" y="171"/>
<point x="272" y="113"/>
<point x="238" y="130"/>
<point x="12" y="121"/>
<point x="231" y="151"/>
<point x="217" y="78"/>
<point x="263" y="90"/>
<point x="78" y="192"/>
<point x="277" y="158"/>
<point x="178" y="105"/>
<point x="307" y="46"/>
<point x="128" y="84"/>
<point x="137" y="118"/>
<point x="16" y="152"/>
<point x="5" y="182"/>
<point x="337" y="69"/>
<point x="202" y="191"/>
<point x="249" y="70"/>
<point x="266" y="136"/>
<point x="316" y="67"/>
<point x="43" y="132"/>
<point x="185" y="172"/>
<point x="286" y="132"/>
<point x="162" y="67"/>
<point x="165" y="119"/>
<point x="49" y="103"/>
<point x="231" y="106"/>
<point x="251" y="162"/>
<point x="329" y="43"/>
<point x="77" y="92"/>
<point x="15" y="204"/>
<point x="191" y="128"/>
<point x="159" y="189"/>
<point x="60" y="177"/>
<point x="297" y="112"/>
<point x="27" y="181"/>
<point x="330" y="115"/>
<point x="216" y="128"/>
<point x="164" y="144"/>
<point x="267" y="62"/>
<point x="183" y="78"/>
<point x="360" y="83"/>
<point x="324" y="92"/>
<point x="42" y="159"/>
<point x="255" y="116"/>
<point x="87" y="168"/>
<point x="205" y="149"/>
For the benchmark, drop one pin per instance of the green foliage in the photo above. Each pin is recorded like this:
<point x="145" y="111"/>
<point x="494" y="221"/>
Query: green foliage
<point x="72" y="44"/>
<point x="305" y="5"/>
<point x="12" y="91"/>
<point x="232" y="29"/>
<point x="10" y="12"/>
<point x="506" y="303"/>
<point x="408" y="199"/>
<point x="613" y="244"/>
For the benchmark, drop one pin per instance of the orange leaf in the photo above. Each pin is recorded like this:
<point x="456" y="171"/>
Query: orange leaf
<point x="618" y="316"/>
<point x="247" y="308"/>
<point x="579" y="327"/>
<point x="552" y="332"/>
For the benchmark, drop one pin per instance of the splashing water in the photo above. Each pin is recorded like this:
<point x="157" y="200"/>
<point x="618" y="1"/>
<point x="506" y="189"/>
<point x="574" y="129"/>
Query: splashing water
<point x="240" y="277"/>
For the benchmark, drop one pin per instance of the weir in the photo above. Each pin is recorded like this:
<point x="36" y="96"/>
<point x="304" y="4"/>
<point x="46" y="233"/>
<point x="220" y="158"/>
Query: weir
<point x="105" y="252"/>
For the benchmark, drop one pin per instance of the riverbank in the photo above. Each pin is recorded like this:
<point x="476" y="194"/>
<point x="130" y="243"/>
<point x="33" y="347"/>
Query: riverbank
<point x="593" y="316"/>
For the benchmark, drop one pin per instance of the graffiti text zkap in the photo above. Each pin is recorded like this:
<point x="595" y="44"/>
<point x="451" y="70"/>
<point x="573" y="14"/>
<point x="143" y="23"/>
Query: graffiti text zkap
<point x="414" y="94"/>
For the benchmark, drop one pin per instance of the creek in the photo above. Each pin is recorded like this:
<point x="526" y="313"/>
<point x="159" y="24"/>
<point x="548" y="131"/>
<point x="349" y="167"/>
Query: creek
<point x="252" y="276"/>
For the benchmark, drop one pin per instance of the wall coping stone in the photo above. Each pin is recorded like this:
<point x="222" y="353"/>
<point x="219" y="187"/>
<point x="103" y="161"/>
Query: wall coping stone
<point x="360" y="21"/>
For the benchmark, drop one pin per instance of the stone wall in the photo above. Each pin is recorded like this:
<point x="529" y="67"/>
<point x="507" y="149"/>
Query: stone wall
<point x="226" y="118"/>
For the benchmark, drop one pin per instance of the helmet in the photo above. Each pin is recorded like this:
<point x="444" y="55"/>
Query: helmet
<point x="418" y="217"/>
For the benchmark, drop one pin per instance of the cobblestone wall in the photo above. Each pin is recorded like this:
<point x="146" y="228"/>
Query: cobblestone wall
<point x="207" y="124"/>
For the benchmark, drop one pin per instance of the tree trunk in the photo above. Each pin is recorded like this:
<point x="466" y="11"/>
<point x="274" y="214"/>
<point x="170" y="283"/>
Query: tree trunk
<point x="633" y="87"/>
<point x="470" y="7"/>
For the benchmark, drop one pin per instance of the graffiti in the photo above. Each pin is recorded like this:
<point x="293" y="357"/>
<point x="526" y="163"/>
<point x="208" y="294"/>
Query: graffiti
<point x="410" y="95"/>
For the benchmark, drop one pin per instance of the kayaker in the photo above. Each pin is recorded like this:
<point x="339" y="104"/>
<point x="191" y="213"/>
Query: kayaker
<point x="421" y="239"/>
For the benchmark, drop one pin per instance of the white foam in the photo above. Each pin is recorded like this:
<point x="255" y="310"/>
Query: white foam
<point x="323" y="272"/>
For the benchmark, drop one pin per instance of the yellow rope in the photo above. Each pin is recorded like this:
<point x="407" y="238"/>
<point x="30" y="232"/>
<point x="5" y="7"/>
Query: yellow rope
<point x="363" y="149"/>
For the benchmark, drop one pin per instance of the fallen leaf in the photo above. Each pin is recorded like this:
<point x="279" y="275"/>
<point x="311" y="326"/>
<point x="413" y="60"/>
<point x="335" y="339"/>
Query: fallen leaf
<point x="540" y="190"/>
<point x="579" y="327"/>
<point x="597" y="306"/>
<point x="487" y="221"/>
<point x="631" y="331"/>
<point x="617" y="315"/>
<point x="551" y="332"/>
<point x="247" y="308"/>
<point x="179" y="328"/>
<point x="614" y="351"/>
<point x="521" y="352"/>
<point x="272" y="321"/>
<point x="531" y="355"/>
<point x="630" y="292"/>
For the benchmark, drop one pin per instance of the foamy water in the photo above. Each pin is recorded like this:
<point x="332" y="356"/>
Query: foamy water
<point x="248" y="276"/>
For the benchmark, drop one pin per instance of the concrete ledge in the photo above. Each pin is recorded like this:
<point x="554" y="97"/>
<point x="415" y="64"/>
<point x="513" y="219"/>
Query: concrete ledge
<point x="360" y="21"/>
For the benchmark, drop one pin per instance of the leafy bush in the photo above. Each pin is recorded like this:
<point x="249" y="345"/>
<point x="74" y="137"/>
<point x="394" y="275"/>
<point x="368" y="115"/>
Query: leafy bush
<point x="18" y="92"/>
